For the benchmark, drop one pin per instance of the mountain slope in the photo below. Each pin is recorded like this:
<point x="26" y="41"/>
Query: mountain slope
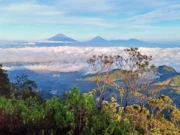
<point x="171" y="82"/>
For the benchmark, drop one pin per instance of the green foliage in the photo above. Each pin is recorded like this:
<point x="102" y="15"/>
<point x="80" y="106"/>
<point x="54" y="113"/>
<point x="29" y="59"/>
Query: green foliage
<point x="62" y="116"/>
<point x="82" y="106"/>
<point x="175" y="116"/>
<point x="6" y="105"/>
<point x="78" y="113"/>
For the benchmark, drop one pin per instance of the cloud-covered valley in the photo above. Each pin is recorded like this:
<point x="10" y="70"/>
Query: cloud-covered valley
<point x="69" y="59"/>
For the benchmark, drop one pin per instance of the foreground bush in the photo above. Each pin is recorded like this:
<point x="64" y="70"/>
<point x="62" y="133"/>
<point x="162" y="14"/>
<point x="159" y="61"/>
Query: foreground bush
<point x="77" y="113"/>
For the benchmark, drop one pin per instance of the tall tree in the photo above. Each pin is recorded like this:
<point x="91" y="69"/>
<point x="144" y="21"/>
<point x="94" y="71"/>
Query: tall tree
<point x="24" y="87"/>
<point x="4" y="83"/>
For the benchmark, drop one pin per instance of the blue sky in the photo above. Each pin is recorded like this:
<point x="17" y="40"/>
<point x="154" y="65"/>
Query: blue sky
<point x="153" y="20"/>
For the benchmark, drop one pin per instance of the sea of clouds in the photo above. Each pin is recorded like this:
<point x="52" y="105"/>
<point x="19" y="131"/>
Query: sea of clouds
<point x="69" y="59"/>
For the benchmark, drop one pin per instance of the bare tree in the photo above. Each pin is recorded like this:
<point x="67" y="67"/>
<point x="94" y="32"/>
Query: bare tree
<point x="135" y="72"/>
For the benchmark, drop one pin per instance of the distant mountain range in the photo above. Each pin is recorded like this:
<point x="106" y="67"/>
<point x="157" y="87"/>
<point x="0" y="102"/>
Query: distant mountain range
<point x="61" y="39"/>
<point x="103" y="42"/>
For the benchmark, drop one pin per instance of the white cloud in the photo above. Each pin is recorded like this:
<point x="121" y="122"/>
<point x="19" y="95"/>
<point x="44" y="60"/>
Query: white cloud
<point x="28" y="8"/>
<point x="92" y="12"/>
<point x="66" y="59"/>
<point x="51" y="13"/>
<point x="31" y="12"/>
<point x="63" y="67"/>
<point x="85" y="5"/>
<point x="167" y="13"/>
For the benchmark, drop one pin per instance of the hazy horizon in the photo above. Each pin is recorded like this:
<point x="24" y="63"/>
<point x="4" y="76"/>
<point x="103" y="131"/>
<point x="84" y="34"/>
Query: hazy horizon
<point x="174" y="42"/>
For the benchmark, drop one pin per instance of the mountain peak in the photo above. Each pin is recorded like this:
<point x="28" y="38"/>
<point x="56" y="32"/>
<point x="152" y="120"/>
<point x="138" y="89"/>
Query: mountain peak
<point x="61" y="37"/>
<point x="98" y="39"/>
<point x="133" y="39"/>
<point x="166" y="72"/>
<point x="165" y="68"/>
